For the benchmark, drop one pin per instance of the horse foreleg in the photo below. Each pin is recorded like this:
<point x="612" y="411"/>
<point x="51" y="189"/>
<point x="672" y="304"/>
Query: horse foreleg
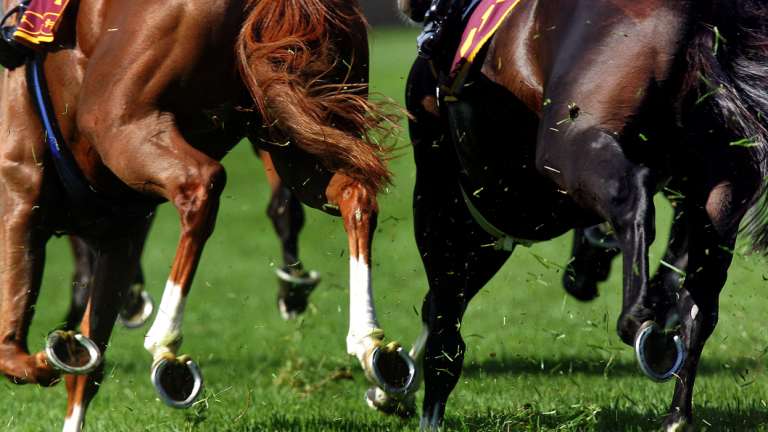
<point x="143" y="146"/>
<point x="22" y="236"/>
<point x="671" y="273"/>
<point x="178" y="379"/>
<point x="114" y="270"/>
<point x="287" y="216"/>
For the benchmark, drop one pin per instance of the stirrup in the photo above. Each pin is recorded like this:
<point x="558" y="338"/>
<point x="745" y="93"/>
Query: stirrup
<point x="428" y="42"/>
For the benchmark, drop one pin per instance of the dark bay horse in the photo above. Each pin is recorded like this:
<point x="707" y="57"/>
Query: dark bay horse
<point x="148" y="98"/>
<point x="594" y="249"/>
<point x="579" y="114"/>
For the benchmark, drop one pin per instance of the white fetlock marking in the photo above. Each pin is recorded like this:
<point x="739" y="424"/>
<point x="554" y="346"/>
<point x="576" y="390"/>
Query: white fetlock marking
<point x="417" y="350"/>
<point x="694" y="312"/>
<point x="166" y="329"/>
<point x="362" y="315"/>
<point x="677" y="426"/>
<point x="74" y="422"/>
<point x="284" y="310"/>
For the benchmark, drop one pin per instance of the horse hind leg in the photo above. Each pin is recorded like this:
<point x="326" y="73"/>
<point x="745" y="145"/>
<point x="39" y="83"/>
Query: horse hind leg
<point x="386" y="366"/>
<point x="713" y="217"/>
<point x="402" y="405"/>
<point x="295" y="284"/>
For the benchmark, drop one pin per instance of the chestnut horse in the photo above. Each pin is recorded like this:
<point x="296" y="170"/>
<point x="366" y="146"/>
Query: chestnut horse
<point x="578" y="114"/>
<point x="148" y="98"/>
<point x="295" y="283"/>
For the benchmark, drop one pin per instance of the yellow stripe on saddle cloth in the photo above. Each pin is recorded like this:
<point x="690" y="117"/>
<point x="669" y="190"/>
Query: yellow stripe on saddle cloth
<point x="39" y="21"/>
<point x="486" y="18"/>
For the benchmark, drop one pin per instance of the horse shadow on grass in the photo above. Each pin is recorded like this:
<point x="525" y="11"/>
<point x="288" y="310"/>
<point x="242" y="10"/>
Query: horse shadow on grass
<point x="584" y="365"/>
<point x="586" y="419"/>
<point x="608" y="419"/>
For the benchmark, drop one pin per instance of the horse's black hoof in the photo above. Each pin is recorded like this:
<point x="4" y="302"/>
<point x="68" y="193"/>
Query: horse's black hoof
<point x="392" y="369"/>
<point x="579" y="286"/>
<point x="379" y="400"/>
<point x="677" y="422"/>
<point x="178" y="381"/>
<point x="294" y="290"/>
<point x="72" y="353"/>
<point x="136" y="315"/>
<point x="660" y="354"/>
<point x="600" y="236"/>
<point x="430" y="424"/>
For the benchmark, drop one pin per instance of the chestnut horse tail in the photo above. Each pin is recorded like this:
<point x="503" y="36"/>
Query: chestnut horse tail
<point x="296" y="57"/>
<point x="728" y="62"/>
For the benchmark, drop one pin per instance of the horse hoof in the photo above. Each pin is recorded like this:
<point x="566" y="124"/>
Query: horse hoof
<point x="659" y="354"/>
<point x="72" y="353"/>
<point x="600" y="236"/>
<point x="678" y="426"/>
<point x="377" y="399"/>
<point x="392" y="369"/>
<point x="294" y="290"/>
<point x="141" y="316"/>
<point x="178" y="381"/>
<point x="579" y="286"/>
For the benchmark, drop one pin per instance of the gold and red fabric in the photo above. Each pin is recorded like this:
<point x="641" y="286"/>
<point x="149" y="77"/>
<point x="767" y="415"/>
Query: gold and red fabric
<point x="38" y="24"/>
<point x="486" y="18"/>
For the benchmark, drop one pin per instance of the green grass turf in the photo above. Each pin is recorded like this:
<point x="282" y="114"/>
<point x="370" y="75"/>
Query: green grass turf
<point x="536" y="360"/>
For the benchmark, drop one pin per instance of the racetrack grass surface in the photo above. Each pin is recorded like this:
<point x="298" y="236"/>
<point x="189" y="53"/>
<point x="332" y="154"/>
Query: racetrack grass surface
<point x="536" y="359"/>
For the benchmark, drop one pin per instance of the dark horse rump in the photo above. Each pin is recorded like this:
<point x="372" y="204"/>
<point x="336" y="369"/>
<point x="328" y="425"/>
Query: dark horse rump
<point x="597" y="104"/>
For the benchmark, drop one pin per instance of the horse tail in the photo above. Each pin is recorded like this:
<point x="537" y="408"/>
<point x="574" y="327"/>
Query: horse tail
<point x="298" y="60"/>
<point x="728" y="65"/>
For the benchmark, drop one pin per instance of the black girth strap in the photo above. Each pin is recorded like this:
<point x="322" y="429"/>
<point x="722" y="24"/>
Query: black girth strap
<point x="72" y="178"/>
<point x="84" y="197"/>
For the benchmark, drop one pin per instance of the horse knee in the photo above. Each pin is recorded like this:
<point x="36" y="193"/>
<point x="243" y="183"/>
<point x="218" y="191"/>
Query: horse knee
<point x="197" y="196"/>
<point x="358" y="205"/>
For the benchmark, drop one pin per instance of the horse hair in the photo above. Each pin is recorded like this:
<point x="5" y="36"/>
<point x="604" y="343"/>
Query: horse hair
<point x="729" y="59"/>
<point x="287" y="53"/>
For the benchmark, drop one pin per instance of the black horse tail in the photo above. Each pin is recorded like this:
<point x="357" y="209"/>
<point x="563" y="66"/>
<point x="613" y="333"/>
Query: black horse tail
<point x="728" y="71"/>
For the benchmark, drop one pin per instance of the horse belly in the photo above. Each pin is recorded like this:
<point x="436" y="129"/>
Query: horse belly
<point x="495" y="140"/>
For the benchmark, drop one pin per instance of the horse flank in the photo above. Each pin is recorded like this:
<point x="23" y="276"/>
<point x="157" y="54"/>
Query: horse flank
<point x="285" y="50"/>
<point x="728" y="60"/>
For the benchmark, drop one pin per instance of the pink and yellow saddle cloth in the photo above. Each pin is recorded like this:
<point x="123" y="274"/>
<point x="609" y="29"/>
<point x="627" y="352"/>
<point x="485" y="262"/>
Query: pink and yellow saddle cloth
<point x="38" y="24"/>
<point x="486" y="18"/>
